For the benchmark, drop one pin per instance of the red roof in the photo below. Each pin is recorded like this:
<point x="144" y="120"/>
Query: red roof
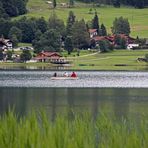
<point x="112" y="38"/>
<point x="92" y="30"/>
<point x="2" y="42"/>
<point x="49" y="54"/>
<point x="99" y="38"/>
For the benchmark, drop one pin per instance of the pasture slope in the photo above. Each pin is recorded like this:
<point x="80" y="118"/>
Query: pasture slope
<point x="138" y="18"/>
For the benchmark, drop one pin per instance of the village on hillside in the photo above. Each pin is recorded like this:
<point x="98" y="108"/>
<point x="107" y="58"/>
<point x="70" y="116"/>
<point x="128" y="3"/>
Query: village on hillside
<point x="6" y="46"/>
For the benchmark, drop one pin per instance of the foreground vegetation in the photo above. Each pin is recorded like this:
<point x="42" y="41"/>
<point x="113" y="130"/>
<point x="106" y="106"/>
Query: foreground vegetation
<point x="79" y="130"/>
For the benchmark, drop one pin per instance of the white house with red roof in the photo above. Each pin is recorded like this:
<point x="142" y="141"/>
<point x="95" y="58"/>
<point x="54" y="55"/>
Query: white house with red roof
<point x="113" y="37"/>
<point x="5" y="44"/>
<point x="93" y="32"/>
<point x="47" y="56"/>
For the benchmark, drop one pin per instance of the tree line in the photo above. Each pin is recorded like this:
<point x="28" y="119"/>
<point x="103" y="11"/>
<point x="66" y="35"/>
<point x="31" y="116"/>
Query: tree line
<point x="54" y="34"/>
<point x="11" y="8"/>
<point x="117" y="3"/>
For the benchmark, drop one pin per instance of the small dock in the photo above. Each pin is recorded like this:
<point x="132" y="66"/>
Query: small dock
<point x="60" y="60"/>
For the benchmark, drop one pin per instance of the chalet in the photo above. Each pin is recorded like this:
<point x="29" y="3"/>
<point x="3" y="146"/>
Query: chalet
<point x="8" y="43"/>
<point x="46" y="56"/>
<point x="63" y="5"/>
<point x="112" y="38"/>
<point x="93" y="33"/>
<point x="5" y="44"/>
<point x="49" y="2"/>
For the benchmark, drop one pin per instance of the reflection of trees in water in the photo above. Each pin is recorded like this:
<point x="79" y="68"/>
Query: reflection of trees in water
<point x="13" y="98"/>
<point x="95" y="105"/>
<point x="121" y="102"/>
<point x="3" y="101"/>
<point x="77" y="99"/>
<point x="71" y="94"/>
<point x="54" y="98"/>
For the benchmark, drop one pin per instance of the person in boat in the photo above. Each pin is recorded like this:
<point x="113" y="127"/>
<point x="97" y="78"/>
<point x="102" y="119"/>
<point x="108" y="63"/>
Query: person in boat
<point x="73" y="75"/>
<point x="66" y="74"/>
<point x="55" y="74"/>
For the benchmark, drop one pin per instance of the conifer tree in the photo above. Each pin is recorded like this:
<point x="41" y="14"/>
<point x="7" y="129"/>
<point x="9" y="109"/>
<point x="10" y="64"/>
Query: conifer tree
<point x="103" y="31"/>
<point x="95" y="22"/>
<point x="116" y="3"/>
<point x="71" y="3"/>
<point x="70" y="22"/>
<point x="54" y="3"/>
<point x="17" y="32"/>
<point x="56" y="24"/>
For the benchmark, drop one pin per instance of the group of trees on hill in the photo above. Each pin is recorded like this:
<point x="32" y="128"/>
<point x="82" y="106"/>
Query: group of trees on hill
<point x="117" y="3"/>
<point x="10" y="8"/>
<point x="51" y="34"/>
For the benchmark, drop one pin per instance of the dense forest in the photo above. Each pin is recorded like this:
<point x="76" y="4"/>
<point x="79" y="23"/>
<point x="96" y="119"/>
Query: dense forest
<point x="10" y="8"/>
<point x="117" y="3"/>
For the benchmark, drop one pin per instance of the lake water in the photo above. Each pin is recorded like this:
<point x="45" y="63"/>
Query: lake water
<point x="123" y="93"/>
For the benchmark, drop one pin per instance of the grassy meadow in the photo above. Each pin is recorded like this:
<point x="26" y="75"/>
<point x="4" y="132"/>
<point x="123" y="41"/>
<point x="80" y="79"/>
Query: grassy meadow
<point x="78" y="131"/>
<point x="115" y="60"/>
<point x="137" y="17"/>
<point x="92" y="60"/>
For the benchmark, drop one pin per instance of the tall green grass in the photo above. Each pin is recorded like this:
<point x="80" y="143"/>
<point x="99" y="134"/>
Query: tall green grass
<point x="80" y="131"/>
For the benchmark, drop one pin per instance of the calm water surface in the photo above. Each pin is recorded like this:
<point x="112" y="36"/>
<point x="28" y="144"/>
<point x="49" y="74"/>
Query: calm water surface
<point x="123" y="93"/>
<point x="86" y="79"/>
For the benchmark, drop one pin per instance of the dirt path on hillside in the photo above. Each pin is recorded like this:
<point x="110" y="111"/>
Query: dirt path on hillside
<point x="89" y="54"/>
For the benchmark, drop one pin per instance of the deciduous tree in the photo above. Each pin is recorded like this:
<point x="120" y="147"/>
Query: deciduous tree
<point x="41" y="24"/>
<point x="121" y="26"/>
<point x="25" y="55"/>
<point x="49" y="41"/>
<point x="80" y="35"/>
<point x="15" y="31"/>
<point x="116" y="3"/>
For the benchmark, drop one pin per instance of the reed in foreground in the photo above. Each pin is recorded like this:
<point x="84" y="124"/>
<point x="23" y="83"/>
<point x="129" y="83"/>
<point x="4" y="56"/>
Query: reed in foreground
<point x="77" y="131"/>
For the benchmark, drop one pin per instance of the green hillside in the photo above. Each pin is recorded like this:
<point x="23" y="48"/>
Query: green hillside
<point x="137" y="17"/>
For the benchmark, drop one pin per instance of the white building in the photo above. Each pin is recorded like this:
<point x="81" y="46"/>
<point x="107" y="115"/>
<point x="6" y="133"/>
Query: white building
<point x="93" y="33"/>
<point x="131" y="46"/>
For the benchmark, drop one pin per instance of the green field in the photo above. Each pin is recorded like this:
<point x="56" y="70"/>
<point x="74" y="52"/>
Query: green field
<point x="137" y="17"/>
<point x="115" y="60"/>
<point x="91" y="60"/>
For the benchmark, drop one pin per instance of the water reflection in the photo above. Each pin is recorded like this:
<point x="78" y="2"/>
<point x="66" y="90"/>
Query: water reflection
<point x="121" y="108"/>
<point x="121" y="102"/>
